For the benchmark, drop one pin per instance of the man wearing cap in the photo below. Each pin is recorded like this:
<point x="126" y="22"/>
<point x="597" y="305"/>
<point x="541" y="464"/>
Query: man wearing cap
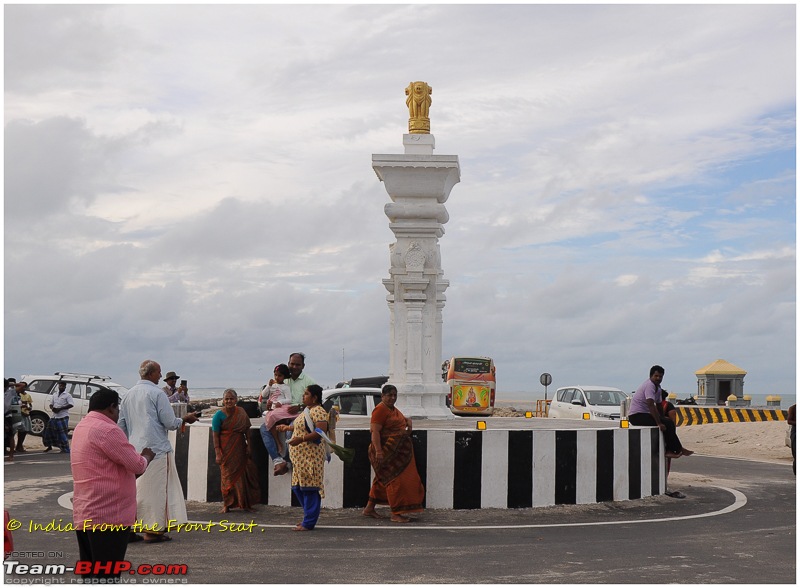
<point x="171" y="378"/>
<point x="179" y="394"/>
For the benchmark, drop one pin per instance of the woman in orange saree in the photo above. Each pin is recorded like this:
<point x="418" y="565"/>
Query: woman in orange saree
<point x="391" y="453"/>
<point x="231" y="429"/>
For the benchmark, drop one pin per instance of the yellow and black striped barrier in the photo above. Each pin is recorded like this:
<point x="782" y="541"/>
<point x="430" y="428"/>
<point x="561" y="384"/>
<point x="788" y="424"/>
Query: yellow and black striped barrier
<point x="696" y="415"/>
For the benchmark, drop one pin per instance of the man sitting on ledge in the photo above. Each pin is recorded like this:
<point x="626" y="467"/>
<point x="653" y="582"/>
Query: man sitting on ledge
<point x="644" y="412"/>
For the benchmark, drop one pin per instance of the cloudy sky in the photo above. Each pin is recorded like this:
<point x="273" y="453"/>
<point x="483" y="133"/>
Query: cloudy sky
<point x="193" y="184"/>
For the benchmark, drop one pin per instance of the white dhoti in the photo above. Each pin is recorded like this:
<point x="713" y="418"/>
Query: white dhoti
<point x="159" y="495"/>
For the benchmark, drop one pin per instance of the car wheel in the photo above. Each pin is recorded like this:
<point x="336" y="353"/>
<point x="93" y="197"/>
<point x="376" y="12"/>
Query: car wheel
<point x="39" y="422"/>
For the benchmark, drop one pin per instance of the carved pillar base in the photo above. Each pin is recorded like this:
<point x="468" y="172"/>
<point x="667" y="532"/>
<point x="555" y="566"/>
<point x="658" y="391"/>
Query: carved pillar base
<point x="423" y="400"/>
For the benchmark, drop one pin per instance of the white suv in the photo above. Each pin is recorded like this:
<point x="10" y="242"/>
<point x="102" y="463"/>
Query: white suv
<point x="598" y="402"/>
<point x="80" y="386"/>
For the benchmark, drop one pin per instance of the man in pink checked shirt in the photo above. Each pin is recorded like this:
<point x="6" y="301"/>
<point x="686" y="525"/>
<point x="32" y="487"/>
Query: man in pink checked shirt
<point x="104" y="471"/>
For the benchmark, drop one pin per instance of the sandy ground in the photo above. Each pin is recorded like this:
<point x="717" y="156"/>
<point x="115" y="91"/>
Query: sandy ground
<point x="762" y="441"/>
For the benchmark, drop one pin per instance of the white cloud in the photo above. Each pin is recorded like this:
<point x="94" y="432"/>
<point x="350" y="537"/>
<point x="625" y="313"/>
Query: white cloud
<point x="193" y="183"/>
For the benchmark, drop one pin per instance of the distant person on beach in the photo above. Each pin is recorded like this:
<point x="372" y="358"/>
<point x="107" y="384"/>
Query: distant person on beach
<point x="231" y="432"/>
<point x="391" y="453"/>
<point x="146" y="416"/>
<point x="790" y="420"/>
<point x="644" y="412"/>
<point x="667" y="409"/>
<point x="298" y="382"/>
<point x="104" y="471"/>
<point x="55" y="433"/>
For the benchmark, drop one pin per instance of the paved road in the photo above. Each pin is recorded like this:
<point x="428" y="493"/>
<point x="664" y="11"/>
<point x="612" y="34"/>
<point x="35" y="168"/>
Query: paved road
<point x="737" y="525"/>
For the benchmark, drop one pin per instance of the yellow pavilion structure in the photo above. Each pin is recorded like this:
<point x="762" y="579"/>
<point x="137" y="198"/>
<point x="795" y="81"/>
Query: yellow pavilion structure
<point x="719" y="380"/>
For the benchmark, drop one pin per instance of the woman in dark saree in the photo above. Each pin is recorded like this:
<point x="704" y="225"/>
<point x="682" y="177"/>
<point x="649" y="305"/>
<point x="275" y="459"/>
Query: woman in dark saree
<point x="391" y="453"/>
<point x="231" y="429"/>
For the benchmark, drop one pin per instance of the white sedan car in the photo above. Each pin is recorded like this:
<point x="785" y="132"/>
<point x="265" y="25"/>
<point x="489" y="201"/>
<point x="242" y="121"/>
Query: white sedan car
<point x="598" y="402"/>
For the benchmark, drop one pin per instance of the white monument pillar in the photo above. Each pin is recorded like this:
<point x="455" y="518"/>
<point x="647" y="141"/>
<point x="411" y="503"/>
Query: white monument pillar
<point x="419" y="184"/>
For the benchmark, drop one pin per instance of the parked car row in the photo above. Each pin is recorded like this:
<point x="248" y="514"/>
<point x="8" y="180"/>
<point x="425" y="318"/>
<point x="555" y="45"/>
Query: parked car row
<point x="80" y="386"/>
<point x="569" y="402"/>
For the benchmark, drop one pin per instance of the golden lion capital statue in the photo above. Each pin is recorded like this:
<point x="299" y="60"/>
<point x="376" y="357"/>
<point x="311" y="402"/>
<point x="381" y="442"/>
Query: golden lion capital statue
<point x="419" y="103"/>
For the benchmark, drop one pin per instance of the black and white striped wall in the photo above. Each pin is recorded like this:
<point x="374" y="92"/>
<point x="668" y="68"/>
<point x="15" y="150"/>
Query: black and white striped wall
<point x="463" y="469"/>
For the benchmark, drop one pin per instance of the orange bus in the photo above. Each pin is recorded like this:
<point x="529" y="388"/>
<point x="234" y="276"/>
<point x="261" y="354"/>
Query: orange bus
<point x="471" y="385"/>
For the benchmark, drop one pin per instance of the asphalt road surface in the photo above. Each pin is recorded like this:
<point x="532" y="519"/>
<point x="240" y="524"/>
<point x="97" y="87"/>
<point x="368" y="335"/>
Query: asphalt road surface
<point x="736" y="525"/>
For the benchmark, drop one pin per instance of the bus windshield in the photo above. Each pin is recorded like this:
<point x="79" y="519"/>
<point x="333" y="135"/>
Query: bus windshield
<point x="471" y="384"/>
<point x="469" y="365"/>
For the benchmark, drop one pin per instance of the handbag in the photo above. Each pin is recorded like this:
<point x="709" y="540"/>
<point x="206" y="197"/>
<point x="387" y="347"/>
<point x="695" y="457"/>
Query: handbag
<point x="346" y="454"/>
<point x="788" y="436"/>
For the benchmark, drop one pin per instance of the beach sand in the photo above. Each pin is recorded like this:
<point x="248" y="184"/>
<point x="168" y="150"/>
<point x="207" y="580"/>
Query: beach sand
<point x="760" y="441"/>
